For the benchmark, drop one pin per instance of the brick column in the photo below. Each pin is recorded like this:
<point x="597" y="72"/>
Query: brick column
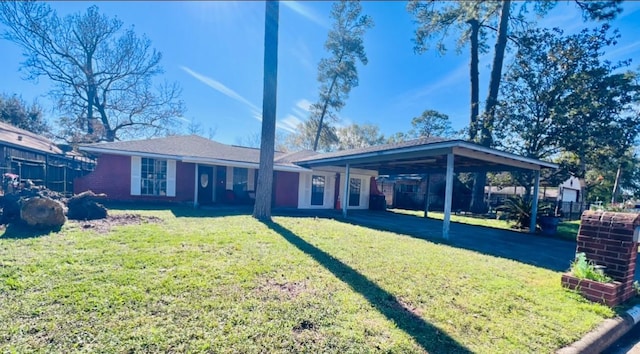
<point x="607" y="239"/>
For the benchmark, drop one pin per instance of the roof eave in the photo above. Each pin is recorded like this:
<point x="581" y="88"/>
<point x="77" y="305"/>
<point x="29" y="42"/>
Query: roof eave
<point x="448" y="145"/>
<point x="192" y="159"/>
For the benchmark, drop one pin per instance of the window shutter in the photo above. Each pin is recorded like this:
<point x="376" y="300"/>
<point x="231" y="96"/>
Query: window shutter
<point x="307" y="189"/>
<point x="328" y="190"/>
<point x="251" y="179"/>
<point x="136" y="163"/>
<point x="229" y="185"/>
<point x="364" y="192"/>
<point x="171" y="178"/>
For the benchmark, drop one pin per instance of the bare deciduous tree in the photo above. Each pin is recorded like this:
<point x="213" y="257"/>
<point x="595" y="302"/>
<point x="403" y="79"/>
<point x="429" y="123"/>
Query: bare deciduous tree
<point x="102" y="74"/>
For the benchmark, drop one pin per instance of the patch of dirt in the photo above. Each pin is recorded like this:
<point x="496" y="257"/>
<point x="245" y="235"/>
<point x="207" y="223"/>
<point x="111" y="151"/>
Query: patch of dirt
<point x="398" y="304"/>
<point x="105" y="225"/>
<point x="304" y="325"/>
<point x="289" y="290"/>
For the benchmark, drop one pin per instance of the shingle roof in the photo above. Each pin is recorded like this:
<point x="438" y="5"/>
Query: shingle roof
<point x="385" y="147"/>
<point x="295" y="156"/>
<point x="26" y="139"/>
<point x="184" y="146"/>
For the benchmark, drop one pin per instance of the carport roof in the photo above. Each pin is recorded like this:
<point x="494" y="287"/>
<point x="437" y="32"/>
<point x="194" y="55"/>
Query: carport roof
<point x="424" y="155"/>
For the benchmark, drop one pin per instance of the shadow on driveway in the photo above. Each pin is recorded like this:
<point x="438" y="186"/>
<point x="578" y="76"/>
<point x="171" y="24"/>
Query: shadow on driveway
<point x="539" y="251"/>
<point x="429" y="337"/>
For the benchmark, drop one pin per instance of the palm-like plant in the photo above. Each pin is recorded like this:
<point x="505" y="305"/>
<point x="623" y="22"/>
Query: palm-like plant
<point x="518" y="209"/>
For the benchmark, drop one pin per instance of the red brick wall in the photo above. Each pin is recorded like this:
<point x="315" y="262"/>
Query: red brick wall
<point x="607" y="239"/>
<point x="286" y="189"/>
<point x="112" y="176"/>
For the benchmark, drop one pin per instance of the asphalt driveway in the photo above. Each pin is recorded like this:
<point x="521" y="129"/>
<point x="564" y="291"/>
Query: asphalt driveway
<point x="540" y="251"/>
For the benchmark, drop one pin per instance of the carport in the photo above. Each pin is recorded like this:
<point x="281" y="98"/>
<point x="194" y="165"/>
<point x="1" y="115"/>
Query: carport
<point x="431" y="155"/>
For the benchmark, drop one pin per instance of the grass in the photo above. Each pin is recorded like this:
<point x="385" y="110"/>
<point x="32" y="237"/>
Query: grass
<point x="567" y="230"/>
<point x="196" y="283"/>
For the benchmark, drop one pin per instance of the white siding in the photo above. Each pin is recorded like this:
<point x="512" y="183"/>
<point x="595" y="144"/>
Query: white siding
<point x="136" y="163"/>
<point x="304" y="190"/>
<point x="171" y="178"/>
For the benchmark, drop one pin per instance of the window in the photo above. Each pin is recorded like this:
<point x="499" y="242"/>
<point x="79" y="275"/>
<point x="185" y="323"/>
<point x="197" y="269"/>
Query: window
<point x="354" y="191"/>
<point x="240" y="180"/>
<point x="317" y="190"/>
<point x="153" y="177"/>
<point x="408" y="188"/>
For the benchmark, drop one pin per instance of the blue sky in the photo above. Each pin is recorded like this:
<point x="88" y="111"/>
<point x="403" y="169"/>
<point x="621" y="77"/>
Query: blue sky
<point x="214" y="50"/>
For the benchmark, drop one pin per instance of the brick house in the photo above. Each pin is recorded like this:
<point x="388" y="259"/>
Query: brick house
<point x="197" y="170"/>
<point x="200" y="171"/>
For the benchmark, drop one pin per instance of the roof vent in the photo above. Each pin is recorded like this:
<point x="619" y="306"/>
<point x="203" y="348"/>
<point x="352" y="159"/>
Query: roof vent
<point x="19" y="137"/>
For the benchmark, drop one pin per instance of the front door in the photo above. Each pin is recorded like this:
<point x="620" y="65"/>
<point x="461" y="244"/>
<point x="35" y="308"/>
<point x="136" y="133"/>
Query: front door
<point x="205" y="185"/>
<point x="221" y="186"/>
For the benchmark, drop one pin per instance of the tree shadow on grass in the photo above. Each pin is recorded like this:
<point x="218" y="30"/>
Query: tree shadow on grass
<point x="429" y="337"/>
<point x="18" y="230"/>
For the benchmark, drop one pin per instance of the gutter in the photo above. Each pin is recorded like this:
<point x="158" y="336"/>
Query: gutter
<point x="200" y="160"/>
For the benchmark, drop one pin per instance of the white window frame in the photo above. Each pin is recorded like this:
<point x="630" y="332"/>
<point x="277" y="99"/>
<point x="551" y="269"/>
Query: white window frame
<point x="136" y="177"/>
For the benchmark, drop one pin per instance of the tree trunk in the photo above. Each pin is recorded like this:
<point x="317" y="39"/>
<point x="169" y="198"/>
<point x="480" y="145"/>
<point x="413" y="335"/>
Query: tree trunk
<point x="85" y="206"/>
<point x="615" y="184"/>
<point x="324" y="111"/>
<point x="262" y="207"/>
<point x="478" y="205"/>
<point x="486" y="138"/>
<point x="475" y="80"/>
<point x="42" y="213"/>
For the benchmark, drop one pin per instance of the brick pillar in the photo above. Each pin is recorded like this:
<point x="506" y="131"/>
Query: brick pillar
<point x="607" y="239"/>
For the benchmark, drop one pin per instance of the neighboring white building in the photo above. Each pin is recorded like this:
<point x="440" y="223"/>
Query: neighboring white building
<point x="571" y="190"/>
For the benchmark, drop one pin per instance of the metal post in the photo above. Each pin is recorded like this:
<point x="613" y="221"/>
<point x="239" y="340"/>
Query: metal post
<point x="448" y="197"/>
<point x="534" y="203"/>
<point x="426" y="196"/>
<point x="345" y="197"/>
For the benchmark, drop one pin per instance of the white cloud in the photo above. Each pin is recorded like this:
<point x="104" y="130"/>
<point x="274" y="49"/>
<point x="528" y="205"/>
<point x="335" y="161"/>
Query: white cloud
<point x="289" y="123"/>
<point x="304" y="104"/>
<point x="619" y="53"/>
<point x="302" y="52"/>
<point x="218" y="86"/>
<point x="304" y="11"/>
<point x="454" y="77"/>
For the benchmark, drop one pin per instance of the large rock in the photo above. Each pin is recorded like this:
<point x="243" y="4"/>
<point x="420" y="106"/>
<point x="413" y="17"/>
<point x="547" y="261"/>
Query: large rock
<point x="42" y="212"/>
<point x="84" y="206"/>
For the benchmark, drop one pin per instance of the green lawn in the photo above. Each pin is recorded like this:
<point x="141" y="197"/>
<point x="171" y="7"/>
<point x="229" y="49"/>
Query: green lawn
<point x="566" y="229"/>
<point x="196" y="283"/>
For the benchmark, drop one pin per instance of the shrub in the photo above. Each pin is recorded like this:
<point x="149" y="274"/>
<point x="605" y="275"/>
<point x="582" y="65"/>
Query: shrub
<point x="518" y="209"/>
<point x="581" y="268"/>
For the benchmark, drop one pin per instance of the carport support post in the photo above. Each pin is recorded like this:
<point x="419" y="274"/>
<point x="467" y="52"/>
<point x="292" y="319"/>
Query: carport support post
<point x="448" y="196"/>
<point x="345" y="197"/>
<point x="426" y="196"/>
<point x="534" y="203"/>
